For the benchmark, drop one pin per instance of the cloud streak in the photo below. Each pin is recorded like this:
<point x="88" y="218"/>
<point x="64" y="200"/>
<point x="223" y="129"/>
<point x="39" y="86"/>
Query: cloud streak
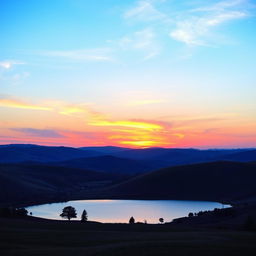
<point x="14" y="103"/>
<point x="95" y="55"/>
<point x="45" y="133"/>
<point x="8" y="64"/>
<point x="129" y="124"/>
<point x="140" y="41"/>
<point x="194" y="27"/>
<point x="144" y="11"/>
<point x="62" y="108"/>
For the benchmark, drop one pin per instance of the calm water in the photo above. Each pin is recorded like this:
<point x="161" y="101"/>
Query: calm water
<point x="121" y="210"/>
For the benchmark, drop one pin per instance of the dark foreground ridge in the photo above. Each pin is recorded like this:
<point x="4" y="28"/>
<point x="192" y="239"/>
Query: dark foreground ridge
<point x="32" y="236"/>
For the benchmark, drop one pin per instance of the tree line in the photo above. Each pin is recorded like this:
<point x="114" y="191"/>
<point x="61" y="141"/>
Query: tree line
<point x="69" y="212"/>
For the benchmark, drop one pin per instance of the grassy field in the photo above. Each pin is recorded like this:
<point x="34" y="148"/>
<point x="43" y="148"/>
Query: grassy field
<point x="59" y="238"/>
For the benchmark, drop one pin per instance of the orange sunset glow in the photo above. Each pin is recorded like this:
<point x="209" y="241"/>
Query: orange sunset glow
<point x="160" y="74"/>
<point x="78" y="125"/>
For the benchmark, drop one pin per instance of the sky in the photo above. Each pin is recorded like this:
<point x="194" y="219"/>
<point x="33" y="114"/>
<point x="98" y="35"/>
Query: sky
<point x="134" y="73"/>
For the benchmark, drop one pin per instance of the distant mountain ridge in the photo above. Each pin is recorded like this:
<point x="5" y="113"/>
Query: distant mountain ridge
<point x="108" y="163"/>
<point x="105" y="149"/>
<point x="22" y="153"/>
<point x="16" y="153"/>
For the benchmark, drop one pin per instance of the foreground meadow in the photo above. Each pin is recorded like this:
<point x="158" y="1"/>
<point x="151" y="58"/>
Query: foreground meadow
<point x="32" y="236"/>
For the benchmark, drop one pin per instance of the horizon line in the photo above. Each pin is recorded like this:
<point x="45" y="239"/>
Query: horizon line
<point x="215" y="148"/>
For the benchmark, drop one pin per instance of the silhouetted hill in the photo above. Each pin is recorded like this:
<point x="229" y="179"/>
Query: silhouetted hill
<point x="105" y="149"/>
<point x="244" y="156"/>
<point x="167" y="153"/>
<point x="217" y="181"/>
<point x="21" y="153"/>
<point x="109" y="164"/>
<point x="116" y="159"/>
<point x="22" y="182"/>
<point x="172" y="156"/>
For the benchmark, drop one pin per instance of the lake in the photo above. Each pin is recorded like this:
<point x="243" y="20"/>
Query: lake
<point x="120" y="211"/>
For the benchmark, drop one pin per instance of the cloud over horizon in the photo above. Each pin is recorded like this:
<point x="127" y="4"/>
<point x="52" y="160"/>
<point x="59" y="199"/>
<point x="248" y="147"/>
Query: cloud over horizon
<point x="45" y="133"/>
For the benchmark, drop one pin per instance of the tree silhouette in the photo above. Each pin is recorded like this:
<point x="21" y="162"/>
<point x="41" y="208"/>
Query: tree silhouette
<point x="68" y="212"/>
<point x="161" y="220"/>
<point x="21" y="212"/>
<point x="132" y="220"/>
<point x="191" y="214"/>
<point x="84" y="216"/>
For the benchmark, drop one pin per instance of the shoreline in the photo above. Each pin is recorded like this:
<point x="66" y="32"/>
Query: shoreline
<point x="47" y="201"/>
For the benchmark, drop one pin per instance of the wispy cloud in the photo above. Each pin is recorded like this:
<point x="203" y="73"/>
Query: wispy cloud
<point x="144" y="10"/>
<point x="195" y="26"/>
<point x="60" y="107"/>
<point x="223" y="5"/>
<point x="47" y="133"/>
<point x="143" y="41"/>
<point x="8" y="72"/>
<point x="97" y="54"/>
<point x="8" y="64"/>
<point x="128" y="123"/>
<point x="15" y="103"/>
<point x="139" y="132"/>
<point x="192" y="26"/>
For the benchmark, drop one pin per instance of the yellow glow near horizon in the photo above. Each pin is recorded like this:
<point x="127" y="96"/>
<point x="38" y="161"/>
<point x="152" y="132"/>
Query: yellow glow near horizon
<point x="71" y="110"/>
<point x="130" y="124"/>
<point x="10" y="103"/>
<point x="143" y="143"/>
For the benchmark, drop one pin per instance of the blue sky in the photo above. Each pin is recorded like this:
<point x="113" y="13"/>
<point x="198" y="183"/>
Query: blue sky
<point x="153" y="61"/>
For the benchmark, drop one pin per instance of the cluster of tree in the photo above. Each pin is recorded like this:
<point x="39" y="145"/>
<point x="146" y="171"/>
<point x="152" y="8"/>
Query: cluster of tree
<point x="69" y="212"/>
<point x="225" y="212"/>
<point x="13" y="212"/>
<point x="132" y="221"/>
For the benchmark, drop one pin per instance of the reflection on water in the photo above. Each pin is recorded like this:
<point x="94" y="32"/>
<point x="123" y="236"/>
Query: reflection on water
<point x="120" y="211"/>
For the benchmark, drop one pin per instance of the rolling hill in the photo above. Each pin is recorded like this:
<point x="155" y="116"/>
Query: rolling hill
<point x="110" y="164"/>
<point x="31" y="183"/>
<point x="216" y="181"/>
<point x="176" y="156"/>
<point x="108" y="150"/>
<point x="243" y="156"/>
<point x="154" y="157"/>
<point x="28" y="172"/>
<point x="16" y="153"/>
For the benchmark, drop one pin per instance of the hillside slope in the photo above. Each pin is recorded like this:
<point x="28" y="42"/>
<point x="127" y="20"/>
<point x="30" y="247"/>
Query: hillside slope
<point x="22" y="182"/>
<point x="244" y="156"/>
<point x="216" y="181"/>
<point x="180" y="156"/>
<point x="22" y="153"/>
<point x="109" y="164"/>
<point x="154" y="157"/>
